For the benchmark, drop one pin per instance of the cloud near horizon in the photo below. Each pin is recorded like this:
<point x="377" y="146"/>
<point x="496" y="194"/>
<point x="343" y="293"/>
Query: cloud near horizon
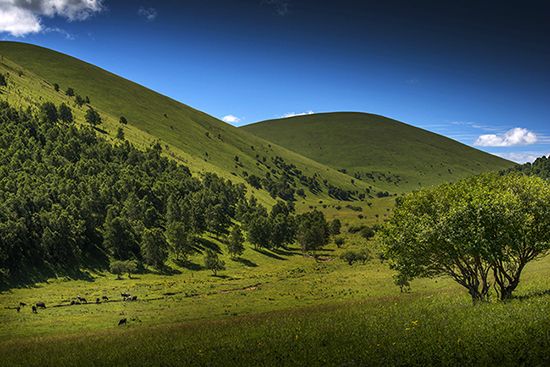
<point x="513" y="137"/>
<point x="231" y="119"/>
<point x="522" y="157"/>
<point x="293" y="114"/>
<point x="22" y="17"/>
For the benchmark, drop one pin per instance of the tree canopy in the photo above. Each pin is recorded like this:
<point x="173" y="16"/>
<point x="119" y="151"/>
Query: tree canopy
<point x="480" y="231"/>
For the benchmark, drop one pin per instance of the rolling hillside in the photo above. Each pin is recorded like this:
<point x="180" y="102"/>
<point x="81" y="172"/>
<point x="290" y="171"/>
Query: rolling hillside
<point x="200" y="141"/>
<point x="377" y="149"/>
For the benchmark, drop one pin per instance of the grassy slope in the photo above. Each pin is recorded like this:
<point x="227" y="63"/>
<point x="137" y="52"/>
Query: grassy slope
<point x="203" y="142"/>
<point x="363" y="142"/>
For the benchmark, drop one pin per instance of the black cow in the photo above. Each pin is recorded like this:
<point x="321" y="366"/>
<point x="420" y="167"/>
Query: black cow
<point x="22" y="304"/>
<point x="40" y="305"/>
<point x="122" y="322"/>
<point x="133" y="298"/>
<point x="125" y="295"/>
<point x="105" y="298"/>
<point x="18" y="308"/>
<point x="97" y="301"/>
<point x="34" y="309"/>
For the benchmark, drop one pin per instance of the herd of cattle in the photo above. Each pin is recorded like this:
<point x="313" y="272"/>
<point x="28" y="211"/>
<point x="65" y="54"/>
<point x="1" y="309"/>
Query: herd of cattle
<point x="78" y="300"/>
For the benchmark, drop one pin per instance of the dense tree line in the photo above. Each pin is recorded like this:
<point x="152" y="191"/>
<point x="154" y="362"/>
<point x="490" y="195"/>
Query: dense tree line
<point x="540" y="167"/>
<point x="67" y="195"/>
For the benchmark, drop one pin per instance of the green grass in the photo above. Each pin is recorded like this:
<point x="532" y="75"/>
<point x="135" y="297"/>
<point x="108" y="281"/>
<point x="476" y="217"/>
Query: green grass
<point x="361" y="142"/>
<point x="289" y="310"/>
<point x="200" y="141"/>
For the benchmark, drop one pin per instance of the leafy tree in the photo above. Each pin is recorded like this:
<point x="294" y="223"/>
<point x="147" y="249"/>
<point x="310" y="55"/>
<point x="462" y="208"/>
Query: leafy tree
<point x="259" y="232"/>
<point x="235" y="246"/>
<point x="154" y="247"/>
<point x="65" y="113"/>
<point x="121" y="267"/>
<point x="56" y="87"/>
<point x="48" y="112"/>
<point x="180" y="240"/>
<point x="123" y="120"/>
<point x="120" y="133"/>
<point x="483" y="225"/>
<point x="339" y="241"/>
<point x="335" y="226"/>
<point x="79" y="100"/>
<point x="3" y="81"/>
<point x="356" y="256"/>
<point x="70" y="92"/>
<point x="93" y="117"/>
<point x="312" y="231"/>
<point x="212" y="262"/>
<point x="217" y="220"/>
<point x="118" y="236"/>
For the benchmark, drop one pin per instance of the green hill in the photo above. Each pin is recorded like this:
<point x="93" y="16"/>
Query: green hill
<point x="377" y="149"/>
<point x="202" y="142"/>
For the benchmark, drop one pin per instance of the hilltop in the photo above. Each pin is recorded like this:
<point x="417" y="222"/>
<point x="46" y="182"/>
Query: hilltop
<point x="200" y="141"/>
<point x="377" y="149"/>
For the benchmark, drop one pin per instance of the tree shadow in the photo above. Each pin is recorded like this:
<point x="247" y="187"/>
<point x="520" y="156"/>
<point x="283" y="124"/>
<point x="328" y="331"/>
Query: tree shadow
<point x="286" y="252"/>
<point x="189" y="265"/>
<point x="245" y="262"/>
<point x="268" y="253"/>
<point x="207" y="244"/>
<point x="530" y="295"/>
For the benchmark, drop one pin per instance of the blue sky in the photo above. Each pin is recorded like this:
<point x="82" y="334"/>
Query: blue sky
<point x="475" y="71"/>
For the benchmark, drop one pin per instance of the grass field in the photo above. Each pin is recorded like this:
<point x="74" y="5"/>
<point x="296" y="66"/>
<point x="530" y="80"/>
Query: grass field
<point x="366" y="143"/>
<point x="275" y="308"/>
<point x="268" y="307"/>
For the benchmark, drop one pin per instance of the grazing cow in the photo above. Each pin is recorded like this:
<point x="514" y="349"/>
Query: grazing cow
<point x="125" y="295"/>
<point x="134" y="298"/>
<point x="73" y="303"/>
<point x="122" y="322"/>
<point x="22" y="304"/>
<point x="81" y="299"/>
<point x="105" y="298"/>
<point x="97" y="301"/>
<point x="34" y="309"/>
<point x="18" y="308"/>
<point x="40" y="305"/>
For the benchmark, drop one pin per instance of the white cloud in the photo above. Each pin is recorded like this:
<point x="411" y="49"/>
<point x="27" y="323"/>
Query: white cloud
<point x="516" y="136"/>
<point x="21" y="17"/>
<point x="293" y="114"/>
<point x="149" y="14"/>
<point x="231" y="119"/>
<point x="521" y="157"/>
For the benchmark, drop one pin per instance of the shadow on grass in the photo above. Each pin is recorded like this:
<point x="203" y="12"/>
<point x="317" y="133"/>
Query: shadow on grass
<point x="189" y="265"/>
<point x="205" y="244"/>
<point x="268" y="253"/>
<point x="245" y="262"/>
<point x="524" y="297"/>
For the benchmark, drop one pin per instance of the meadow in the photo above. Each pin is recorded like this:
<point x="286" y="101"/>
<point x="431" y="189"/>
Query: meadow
<point x="273" y="308"/>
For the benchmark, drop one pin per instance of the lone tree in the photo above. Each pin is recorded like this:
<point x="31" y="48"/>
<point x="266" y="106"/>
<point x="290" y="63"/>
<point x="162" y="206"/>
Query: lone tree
<point x="312" y="232"/>
<point x="56" y="87"/>
<point x="212" y="262"/>
<point x="123" y="120"/>
<point x="121" y="267"/>
<point x="335" y="226"/>
<point x="65" y="113"/>
<point x="120" y="133"/>
<point x="48" y="112"/>
<point x="3" y="81"/>
<point x="70" y="92"/>
<point x="469" y="230"/>
<point x="93" y="117"/>
<point x="235" y="246"/>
